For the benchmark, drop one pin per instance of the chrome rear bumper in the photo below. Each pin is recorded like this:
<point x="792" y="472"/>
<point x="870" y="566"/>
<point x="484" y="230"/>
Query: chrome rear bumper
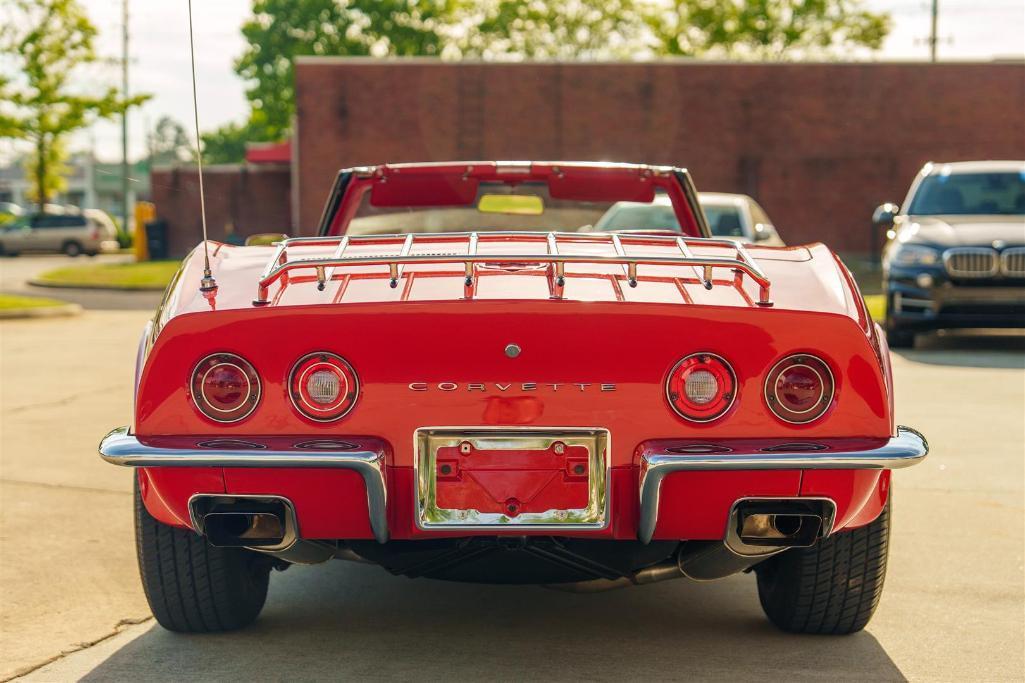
<point x="120" y="447"/>
<point x="908" y="448"/>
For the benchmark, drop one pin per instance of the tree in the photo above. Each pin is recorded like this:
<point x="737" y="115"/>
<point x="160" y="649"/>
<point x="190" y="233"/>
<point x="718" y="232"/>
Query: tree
<point x="764" y="29"/>
<point x="574" y="29"/>
<point x="169" y="143"/>
<point x="50" y="40"/>
<point x="227" y="144"/>
<point x="281" y="30"/>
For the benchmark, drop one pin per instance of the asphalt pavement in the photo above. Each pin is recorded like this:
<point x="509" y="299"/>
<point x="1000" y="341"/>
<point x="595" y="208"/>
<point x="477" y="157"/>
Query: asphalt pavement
<point x="71" y="606"/>
<point x="15" y="273"/>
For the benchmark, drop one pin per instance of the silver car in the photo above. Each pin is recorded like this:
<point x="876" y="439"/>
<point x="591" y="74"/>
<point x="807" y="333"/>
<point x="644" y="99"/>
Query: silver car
<point x="73" y="233"/>
<point x="734" y="216"/>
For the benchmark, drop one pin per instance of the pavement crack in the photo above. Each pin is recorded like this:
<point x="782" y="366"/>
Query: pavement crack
<point x="73" y="487"/>
<point x="120" y="626"/>
<point x="64" y="400"/>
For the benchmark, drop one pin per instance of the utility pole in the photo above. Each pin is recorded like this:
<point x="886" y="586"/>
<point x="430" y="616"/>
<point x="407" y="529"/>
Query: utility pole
<point x="125" y="211"/>
<point x="933" y="38"/>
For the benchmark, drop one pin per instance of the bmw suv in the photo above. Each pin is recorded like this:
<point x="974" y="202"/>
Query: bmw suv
<point x="956" y="253"/>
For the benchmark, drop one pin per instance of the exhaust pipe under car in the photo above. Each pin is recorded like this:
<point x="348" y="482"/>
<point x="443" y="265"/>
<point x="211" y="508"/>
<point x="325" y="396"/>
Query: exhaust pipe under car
<point x="244" y="521"/>
<point x="263" y="523"/>
<point x="757" y="529"/>
<point x="756" y="524"/>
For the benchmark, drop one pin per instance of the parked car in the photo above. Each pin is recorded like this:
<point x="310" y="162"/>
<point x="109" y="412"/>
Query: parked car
<point x="956" y="257"/>
<point x="72" y="233"/>
<point x="9" y="212"/>
<point x="516" y="403"/>
<point x="735" y="216"/>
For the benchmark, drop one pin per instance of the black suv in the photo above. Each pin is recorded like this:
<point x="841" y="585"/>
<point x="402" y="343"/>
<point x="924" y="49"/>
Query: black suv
<point x="956" y="254"/>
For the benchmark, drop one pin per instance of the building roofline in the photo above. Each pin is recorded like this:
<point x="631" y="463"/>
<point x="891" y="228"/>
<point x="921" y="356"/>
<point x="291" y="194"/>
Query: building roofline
<point x="1012" y="60"/>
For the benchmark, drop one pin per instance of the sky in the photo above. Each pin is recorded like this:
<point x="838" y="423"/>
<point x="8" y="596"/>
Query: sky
<point x="159" y="49"/>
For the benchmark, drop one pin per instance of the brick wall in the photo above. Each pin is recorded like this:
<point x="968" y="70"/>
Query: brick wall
<point x="254" y="198"/>
<point x="819" y="145"/>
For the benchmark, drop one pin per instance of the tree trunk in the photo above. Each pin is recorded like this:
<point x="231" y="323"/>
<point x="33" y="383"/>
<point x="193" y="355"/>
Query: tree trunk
<point x="41" y="173"/>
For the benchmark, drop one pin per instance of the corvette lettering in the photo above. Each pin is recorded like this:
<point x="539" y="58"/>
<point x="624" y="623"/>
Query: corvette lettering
<point x="512" y="386"/>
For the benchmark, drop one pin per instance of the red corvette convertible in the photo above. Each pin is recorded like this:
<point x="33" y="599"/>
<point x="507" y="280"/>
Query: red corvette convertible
<point x="460" y="379"/>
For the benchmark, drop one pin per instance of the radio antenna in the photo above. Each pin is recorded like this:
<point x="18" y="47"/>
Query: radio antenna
<point x="208" y="283"/>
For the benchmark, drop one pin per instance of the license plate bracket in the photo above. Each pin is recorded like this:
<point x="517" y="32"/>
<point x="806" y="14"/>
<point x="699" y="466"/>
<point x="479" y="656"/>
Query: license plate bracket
<point x="547" y="478"/>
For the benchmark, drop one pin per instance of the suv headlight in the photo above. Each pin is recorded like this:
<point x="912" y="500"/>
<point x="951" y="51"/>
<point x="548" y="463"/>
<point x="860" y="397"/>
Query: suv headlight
<point x="916" y="255"/>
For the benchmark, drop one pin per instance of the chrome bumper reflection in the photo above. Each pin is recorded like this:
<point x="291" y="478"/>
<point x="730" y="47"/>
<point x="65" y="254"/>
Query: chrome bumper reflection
<point x="122" y="448"/>
<point x="908" y="448"/>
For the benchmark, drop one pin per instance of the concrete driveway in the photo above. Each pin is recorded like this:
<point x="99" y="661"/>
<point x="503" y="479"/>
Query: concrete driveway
<point x="71" y="605"/>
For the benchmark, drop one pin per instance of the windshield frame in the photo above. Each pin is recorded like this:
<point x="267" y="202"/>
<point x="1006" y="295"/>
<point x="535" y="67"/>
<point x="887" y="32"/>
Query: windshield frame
<point x="351" y="185"/>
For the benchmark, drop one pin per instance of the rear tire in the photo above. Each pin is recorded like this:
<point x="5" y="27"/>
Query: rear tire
<point x="72" y="249"/>
<point x="899" y="338"/>
<point x="832" y="587"/>
<point x="192" y="586"/>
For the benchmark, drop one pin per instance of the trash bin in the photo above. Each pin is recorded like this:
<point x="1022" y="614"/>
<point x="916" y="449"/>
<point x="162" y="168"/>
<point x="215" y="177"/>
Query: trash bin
<point x="156" y="239"/>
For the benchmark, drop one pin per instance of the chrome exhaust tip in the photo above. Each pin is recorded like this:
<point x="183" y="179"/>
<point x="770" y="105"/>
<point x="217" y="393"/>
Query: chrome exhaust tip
<point x="258" y="522"/>
<point x="783" y="529"/>
<point x="759" y="524"/>
<point x="251" y="529"/>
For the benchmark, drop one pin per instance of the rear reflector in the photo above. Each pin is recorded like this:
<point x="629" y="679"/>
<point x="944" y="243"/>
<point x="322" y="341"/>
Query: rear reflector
<point x="799" y="388"/>
<point x="323" y="386"/>
<point x="701" y="387"/>
<point x="225" y="387"/>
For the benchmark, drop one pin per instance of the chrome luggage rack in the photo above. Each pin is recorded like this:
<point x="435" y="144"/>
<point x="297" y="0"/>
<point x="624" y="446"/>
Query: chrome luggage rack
<point x="740" y="264"/>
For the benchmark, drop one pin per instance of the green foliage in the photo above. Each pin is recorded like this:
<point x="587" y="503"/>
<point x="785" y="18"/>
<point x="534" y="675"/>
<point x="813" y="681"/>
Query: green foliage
<point x="578" y="29"/>
<point x="281" y="30"/>
<point x="227" y="144"/>
<point x="48" y="40"/>
<point x="765" y="29"/>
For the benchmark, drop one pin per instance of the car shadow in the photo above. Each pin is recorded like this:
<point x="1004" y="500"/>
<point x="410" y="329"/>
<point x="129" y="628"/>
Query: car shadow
<point x="970" y="348"/>
<point x="344" y="620"/>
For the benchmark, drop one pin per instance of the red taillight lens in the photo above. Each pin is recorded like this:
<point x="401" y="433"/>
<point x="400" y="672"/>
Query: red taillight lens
<point x="701" y="387"/>
<point x="225" y="387"/>
<point x="799" y="388"/>
<point x="323" y="386"/>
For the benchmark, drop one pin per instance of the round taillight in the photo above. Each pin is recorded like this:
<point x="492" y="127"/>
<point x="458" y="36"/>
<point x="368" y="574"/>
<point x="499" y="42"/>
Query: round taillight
<point x="799" y="388"/>
<point x="701" y="387"/>
<point x="323" y="386"/>
<point x="225" y="387"/>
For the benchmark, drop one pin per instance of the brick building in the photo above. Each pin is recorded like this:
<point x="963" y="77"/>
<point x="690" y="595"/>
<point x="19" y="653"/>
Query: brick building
<point x="819" y="145"/>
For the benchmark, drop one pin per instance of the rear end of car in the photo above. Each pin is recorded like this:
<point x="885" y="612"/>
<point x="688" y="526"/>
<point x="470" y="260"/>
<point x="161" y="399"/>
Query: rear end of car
<point x="582" y="410"/>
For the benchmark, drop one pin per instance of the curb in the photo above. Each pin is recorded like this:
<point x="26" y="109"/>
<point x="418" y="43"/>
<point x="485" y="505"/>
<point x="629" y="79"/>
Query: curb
<point x="40" y="312"/>
<point x="116" y="288"/>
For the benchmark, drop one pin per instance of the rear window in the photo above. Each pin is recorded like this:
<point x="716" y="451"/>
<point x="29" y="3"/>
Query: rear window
<point x="724" y="221"/>
<point x="58" y="221"/>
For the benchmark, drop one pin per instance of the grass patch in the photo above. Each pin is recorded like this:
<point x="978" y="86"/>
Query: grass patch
<point x="146" y="275"/>
<point x="876" y="304"/>
<point x="12" y="301"/>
